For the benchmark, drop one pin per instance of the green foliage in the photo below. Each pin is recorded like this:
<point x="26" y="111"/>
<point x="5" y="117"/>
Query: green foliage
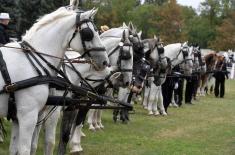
<point x="157" y="2"/>
<point x="225" y="34"/>
<point x="30" y="10"/>
<point x="200" y="31"/>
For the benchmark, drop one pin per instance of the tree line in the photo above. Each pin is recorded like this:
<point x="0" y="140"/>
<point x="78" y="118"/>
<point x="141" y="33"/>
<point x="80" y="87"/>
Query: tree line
<point x="212" y="27"/>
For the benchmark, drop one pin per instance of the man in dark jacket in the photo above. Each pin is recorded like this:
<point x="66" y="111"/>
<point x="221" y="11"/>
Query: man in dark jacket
<point x="220" y="79"/>
<point x="4" y="21"/>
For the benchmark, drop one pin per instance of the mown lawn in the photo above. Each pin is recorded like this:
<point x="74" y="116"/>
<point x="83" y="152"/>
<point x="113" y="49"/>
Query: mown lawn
<point x="206" y="128"/>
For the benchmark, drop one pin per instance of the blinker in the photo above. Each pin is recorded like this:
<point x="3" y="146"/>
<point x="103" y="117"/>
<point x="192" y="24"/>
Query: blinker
<point x="86" y="34"/>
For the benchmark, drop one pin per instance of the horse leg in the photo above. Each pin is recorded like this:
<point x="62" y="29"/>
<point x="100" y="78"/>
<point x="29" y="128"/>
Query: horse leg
<point x="122" y="116"/>
<point x="14" y="138"/>
<point x="1" y="130"/>
<point x="146" y="97"/>
<point x="95" y="120"/>
<point x="99" y="114"/>
<point x="160" y="102"/>
<point x="36" y="133"/>
<point x="66" y="126"/>
<point x="50" y="132"/>
<point x="75" y="142"/>
<point x="27" y="123"/>
<point x="155" y="100"/>
<point x="126" y="114"/>
<point x="90" y="119"/>
<point x="115" y="115"/>
<point x="152" y="96"/>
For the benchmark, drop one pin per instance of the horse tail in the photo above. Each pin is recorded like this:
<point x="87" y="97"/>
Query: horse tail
<point x="2" y="128"/>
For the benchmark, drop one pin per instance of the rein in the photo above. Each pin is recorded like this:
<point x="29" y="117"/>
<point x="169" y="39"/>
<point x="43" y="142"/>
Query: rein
<point x="27" y="49"/>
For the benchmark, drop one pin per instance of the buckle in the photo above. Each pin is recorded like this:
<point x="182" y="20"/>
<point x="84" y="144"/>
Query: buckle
<point x="10" y="88"/>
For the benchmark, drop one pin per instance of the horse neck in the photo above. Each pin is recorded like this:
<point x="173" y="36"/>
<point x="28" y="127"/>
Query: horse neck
<point x="52" y="38"/>
<point x="110" y="44"/>
<point x="173" y="54"/>
<point x="83" y="69"/>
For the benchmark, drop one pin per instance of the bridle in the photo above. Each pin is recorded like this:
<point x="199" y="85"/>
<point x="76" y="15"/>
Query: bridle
<point x="123" y="55"/>
<point x="86" y="35"/>
<point x="197" y="53"/>
<point x="184" y="53"/>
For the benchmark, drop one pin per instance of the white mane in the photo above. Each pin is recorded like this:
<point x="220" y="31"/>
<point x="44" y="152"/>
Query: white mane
<point x="47" y="19"/>
<point x="113" y="32"/>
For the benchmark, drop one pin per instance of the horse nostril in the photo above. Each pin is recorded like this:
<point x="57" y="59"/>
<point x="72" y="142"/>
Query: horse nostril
<point x="105" y="63"/>
<point x="127" y="83"/>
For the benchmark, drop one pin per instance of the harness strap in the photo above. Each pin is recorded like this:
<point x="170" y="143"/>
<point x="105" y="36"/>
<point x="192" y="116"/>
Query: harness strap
<point x="114" y="50"/>
<point x="47" y="62"/>
<point x="32" y="63"/>
<point x="11" y="114"/>
<point x="29" y="52"/>
<point x="72" y="67"/>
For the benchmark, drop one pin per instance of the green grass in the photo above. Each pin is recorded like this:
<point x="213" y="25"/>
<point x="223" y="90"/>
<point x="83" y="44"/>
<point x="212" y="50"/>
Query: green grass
<point x="206" y="128"/>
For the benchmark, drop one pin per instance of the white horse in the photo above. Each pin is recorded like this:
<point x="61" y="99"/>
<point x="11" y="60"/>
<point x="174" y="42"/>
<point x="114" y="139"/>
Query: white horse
<point x="180" y="54"/>
<point x="120" y="53"/>
<point x="116" y="33"/>
<point x="112" y="41"/>
<point x="50" y="124"/>
<point x="151" y="50"/>
<point x="152" y="93"/>
<point x="50" y="35"/>
<point x="91" y="75"/>
<point x="199" y="67"/>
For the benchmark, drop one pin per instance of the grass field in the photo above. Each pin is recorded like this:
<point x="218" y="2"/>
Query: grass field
<point x="206" y="128"/>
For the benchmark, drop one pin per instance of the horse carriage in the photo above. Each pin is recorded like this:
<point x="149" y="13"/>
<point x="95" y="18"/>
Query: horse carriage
<point x="63" y="62"/>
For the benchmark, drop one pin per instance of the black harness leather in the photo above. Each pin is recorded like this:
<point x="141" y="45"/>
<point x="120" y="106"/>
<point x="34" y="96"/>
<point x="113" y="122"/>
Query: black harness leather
<point x="11" y="114"/>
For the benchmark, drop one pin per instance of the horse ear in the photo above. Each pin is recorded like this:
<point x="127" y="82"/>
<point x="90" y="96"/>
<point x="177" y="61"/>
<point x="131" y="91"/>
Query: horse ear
<point x="139" y="34"/>
<point x="74" y="4"/>
<point x="131" y="27"/>
<point x="155" y="37"/>
<point x="93" y="12"/>
<point x="124" y="25"/>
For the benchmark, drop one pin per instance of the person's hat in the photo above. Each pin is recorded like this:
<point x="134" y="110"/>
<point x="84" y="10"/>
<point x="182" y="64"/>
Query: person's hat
<point x="104" y="28"/>
<point x="4" y="16"/>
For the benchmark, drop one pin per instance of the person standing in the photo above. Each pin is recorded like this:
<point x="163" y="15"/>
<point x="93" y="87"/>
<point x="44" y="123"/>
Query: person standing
<point x="4" y="21"/>
<point x="220" y="79"/>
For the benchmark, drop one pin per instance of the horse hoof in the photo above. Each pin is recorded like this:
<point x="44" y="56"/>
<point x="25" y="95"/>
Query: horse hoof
<point x="101" y="126"/>
<point x="156" y="113"/>
<point x="175" y="105"/>
<point x="164" y="113"/>
<point x="97" y="127"/>
<point x="150" y="113"/>
<point x="91" y="128"/>
<point x="76" y="150"/>
<point x="83" y="134"/>
<point x="1" y="139"/>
